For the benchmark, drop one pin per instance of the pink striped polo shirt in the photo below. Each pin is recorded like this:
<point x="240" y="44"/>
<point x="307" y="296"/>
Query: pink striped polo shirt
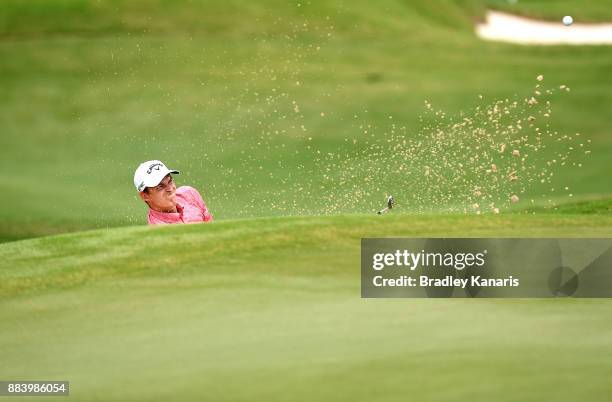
<point x="190" y="206"/>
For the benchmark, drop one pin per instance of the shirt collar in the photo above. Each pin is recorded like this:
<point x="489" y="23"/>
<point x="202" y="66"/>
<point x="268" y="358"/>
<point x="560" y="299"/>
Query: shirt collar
<point x="168" y="216"/>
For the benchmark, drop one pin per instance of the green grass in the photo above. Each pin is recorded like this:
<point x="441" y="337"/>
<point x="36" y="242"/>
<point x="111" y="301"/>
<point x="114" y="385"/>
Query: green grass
<point x="593" y="206"/>
<point x="187" y="312"/>
<point x="269" y="308"/>
<point x="91" y="89"/>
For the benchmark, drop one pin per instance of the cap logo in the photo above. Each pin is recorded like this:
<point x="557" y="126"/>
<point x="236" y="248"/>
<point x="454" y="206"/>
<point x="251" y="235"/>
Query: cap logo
<point x="154" y="166"/>
<point x="141" y="186"/>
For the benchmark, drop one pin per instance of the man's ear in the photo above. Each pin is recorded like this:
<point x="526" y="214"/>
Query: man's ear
<point x="145" y="196"/>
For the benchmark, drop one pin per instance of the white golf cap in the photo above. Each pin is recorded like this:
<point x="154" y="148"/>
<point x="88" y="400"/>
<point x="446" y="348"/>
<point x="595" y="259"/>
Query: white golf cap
<point x="150" y="174"/>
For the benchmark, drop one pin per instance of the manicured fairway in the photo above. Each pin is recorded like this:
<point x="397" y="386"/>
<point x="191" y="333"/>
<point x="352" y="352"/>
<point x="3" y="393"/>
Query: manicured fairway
<point x="270" y="309"/>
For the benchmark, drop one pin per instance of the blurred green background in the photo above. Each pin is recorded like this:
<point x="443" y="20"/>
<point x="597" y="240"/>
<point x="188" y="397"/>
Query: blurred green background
<point x="92" y="88"/>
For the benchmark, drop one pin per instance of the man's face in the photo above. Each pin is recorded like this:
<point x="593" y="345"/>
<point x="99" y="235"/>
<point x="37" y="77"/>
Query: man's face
<point x="161" y="197"/>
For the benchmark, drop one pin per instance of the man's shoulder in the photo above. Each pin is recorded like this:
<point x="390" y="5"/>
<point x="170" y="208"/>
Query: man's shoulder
<point x="186" y="190"/>
<point x="190" y="194"/>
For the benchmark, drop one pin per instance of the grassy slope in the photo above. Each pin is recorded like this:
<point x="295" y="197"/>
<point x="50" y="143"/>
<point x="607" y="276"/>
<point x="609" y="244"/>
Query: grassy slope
<point x="92" y="88"/>
<point x="188" y="312"/>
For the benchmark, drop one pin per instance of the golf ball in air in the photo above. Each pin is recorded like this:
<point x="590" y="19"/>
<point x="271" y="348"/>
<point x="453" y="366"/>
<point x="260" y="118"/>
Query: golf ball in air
<point x="567" y="20"/>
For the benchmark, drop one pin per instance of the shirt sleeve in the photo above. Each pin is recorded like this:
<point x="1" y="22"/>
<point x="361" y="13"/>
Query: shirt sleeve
<point x="197" y="199"/>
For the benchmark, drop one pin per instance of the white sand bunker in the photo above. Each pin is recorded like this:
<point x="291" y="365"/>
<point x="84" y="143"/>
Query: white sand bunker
<point x="510" y="28"/>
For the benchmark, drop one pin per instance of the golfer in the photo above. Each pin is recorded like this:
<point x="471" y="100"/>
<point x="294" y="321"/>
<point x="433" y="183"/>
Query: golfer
<point x="168" y="204"/>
